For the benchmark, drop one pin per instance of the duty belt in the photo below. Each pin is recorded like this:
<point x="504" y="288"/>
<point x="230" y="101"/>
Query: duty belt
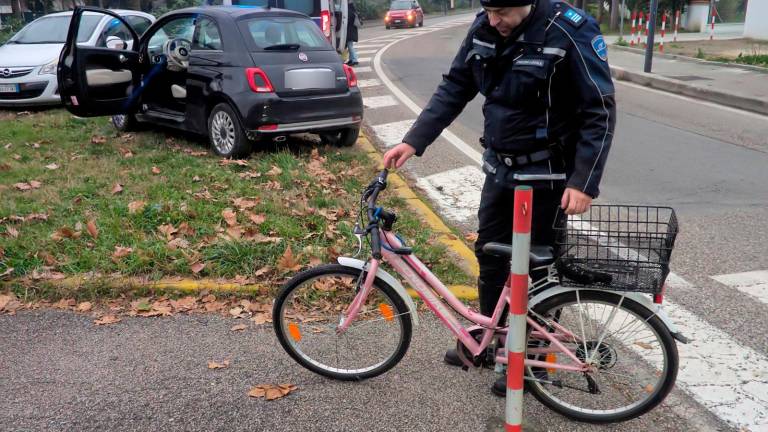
<point x="516" y="160"/>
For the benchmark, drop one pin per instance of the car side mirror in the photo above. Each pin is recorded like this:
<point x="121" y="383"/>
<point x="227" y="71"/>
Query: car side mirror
<point x="114" y="42"/>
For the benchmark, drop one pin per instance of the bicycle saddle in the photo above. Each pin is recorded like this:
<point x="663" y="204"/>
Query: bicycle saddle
<point x="540" y="255"/>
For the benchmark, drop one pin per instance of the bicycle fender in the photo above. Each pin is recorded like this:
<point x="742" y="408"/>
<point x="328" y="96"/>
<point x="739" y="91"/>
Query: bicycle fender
<point x="637" y="297"/>
<point x="389" y="279"/>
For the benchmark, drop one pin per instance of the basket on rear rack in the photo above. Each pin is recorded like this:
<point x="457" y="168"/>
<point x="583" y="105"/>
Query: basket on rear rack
<point x="616" y="247"/>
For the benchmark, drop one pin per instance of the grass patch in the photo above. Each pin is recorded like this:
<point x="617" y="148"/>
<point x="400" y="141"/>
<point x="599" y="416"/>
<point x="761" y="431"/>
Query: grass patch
<point x="58" y="173"/>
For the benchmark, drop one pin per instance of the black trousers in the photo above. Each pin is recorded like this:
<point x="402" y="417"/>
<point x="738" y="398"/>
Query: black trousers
<point x="495" y="225"/>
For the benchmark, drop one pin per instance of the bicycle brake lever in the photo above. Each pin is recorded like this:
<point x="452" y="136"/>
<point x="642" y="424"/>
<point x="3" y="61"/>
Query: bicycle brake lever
<point x="359" y="232"/>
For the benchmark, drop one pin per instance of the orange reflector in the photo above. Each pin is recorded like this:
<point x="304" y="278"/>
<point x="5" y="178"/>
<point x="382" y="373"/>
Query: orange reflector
<point x="386" y="311"/>
<point x="293" y="329"/>
<point x="551" y="358"/>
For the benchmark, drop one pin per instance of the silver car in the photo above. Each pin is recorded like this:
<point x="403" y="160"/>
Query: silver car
<point x="28" y="60"/>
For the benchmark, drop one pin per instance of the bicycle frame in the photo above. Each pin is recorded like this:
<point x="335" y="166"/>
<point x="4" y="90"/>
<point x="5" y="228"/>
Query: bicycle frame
<point x="435" y="295"/>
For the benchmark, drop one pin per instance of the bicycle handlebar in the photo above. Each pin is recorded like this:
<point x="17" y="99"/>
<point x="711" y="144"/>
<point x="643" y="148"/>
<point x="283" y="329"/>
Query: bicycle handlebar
<point x="371" y="194"/>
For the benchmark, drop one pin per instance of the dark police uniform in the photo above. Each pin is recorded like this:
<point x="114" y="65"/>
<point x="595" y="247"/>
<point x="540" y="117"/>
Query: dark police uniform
<point x="549" y="119"/>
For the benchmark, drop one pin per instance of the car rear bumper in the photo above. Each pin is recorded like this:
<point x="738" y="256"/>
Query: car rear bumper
<point x="277" y="115"/>
<point x="32" y="89"/>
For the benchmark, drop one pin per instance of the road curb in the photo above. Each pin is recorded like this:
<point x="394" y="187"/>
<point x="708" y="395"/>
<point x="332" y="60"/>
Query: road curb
<point x="674" y="86"/>
<point x="680" y="57"/>
<point x="435" y="223"/>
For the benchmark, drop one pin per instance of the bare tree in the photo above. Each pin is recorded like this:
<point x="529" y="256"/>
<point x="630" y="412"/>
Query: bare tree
<point x="615" y="10"/>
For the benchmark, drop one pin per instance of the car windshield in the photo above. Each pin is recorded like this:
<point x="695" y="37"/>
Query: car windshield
<point x="54" y="30"/>
<point x="283" y="34"/>
<point x="400" y="5"/>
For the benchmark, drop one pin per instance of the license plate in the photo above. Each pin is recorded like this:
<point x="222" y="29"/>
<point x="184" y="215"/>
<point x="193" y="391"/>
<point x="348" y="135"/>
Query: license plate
<point x="398" y="21"/>
<point x="9" y="88"/>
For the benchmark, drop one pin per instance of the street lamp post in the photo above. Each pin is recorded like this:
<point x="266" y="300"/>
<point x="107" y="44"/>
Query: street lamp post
<point x="651" y="32"/>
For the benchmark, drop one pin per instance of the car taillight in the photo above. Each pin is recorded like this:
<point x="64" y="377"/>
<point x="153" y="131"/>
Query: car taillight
<point x="325" y="20"/>
<point x="351" y="76"/>
<point x="258" y="80"/>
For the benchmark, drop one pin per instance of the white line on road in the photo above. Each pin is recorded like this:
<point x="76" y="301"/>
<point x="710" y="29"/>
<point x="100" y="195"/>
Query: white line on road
<point x="373" y="82"/>
<point x="379" y="101"/>
<point x="754" y="283"/>
<point x="392" y="133"/>
<point x="455" y="191"/>
<point x="729" y="379"/>
<point x="364" y="60"/>
<point x="367" y="51"/>
<point x="362" y="69"/>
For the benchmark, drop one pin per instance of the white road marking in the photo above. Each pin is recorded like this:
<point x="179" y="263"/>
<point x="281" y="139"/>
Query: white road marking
<point x="729" y="379"/>
<point x="373" y="82"/>
<point x="362" y="69"/>
<point x="754" y="283"/>
<point x="379" y="101"/>
<point x="364" y="60"/>
<point x="455" y="191"/>
<point x="392" y="133"/>
<point x="373" y="51"/>
<point x="370" y="45"/>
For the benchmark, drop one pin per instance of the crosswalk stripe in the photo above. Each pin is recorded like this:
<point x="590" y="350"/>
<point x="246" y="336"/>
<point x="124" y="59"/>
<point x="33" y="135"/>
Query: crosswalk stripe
<point x="362" y="69"/>
<point x="753" y="283"/>
<point x="455" y="191"/>
<point x="364" y="60"/>
<point x="373" y="51"/>
<point x="392" y="133"/>
<point x="373" y="82"/>
<point x="379" y="101"/>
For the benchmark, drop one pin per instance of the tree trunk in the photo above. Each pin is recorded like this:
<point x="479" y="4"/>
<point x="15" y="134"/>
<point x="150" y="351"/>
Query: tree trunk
<point x="600" y="5"/>
<point x="615" y="10"/>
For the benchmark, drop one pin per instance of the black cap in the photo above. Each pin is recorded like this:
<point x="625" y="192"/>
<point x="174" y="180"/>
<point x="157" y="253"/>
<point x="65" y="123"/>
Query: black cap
<point x="506" y="3"/>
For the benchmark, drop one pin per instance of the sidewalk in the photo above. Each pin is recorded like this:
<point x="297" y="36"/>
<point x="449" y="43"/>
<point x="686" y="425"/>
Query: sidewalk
<point x="743" y="87"/>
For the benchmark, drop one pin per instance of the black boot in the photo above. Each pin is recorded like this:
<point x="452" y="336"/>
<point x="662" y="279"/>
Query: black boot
<point x="499" y="388"/>
<point x="452" y="358"/>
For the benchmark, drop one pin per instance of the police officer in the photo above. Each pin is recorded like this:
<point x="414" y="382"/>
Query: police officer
<point x="549" y="119"/>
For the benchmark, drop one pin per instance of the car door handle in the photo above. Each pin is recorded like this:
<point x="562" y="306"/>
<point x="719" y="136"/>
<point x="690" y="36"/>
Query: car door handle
<point x="122" y="58"/>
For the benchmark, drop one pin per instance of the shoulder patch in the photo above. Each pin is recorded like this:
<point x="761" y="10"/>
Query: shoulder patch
<point x="600" y="48"/>
<point x="574" y="18"/>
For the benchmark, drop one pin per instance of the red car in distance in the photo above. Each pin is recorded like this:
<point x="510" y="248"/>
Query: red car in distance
<point x="404" y="13"/>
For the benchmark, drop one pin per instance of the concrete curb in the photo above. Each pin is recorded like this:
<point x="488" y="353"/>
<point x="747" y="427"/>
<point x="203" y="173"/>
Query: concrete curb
<point x="190" y="286"/>
<point x="674" y="86"/>
<point x="693" y="59"/>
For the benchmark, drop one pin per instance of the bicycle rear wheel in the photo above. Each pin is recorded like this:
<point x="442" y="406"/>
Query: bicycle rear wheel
<point x="633" y="354"/>
<point x="309" y="310"/>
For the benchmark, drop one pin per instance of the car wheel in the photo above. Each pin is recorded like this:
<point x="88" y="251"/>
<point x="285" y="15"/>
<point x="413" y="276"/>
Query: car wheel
<point x="125" y="122"/>
<point x="341" y="138"/>
<point x="226" y="134"/>
<point x="421" y="23"/>
<point x="386" y="27"/>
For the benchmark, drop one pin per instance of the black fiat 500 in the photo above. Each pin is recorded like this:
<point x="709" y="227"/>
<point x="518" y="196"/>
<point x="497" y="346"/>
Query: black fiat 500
<point x="234" y="74"/>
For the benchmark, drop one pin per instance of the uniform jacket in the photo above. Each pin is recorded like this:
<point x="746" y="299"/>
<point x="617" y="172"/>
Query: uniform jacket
<point x="550" y="87"/>
<point x="351" y="27"/>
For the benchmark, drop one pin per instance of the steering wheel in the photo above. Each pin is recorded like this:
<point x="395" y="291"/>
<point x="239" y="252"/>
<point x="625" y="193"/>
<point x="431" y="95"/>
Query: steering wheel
<point x="177" y="53"/>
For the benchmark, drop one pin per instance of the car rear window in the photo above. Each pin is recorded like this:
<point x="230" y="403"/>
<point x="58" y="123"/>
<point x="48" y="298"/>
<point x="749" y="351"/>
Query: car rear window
<point x="54" y="30"/>
<point x="261" y="33"/>
<point x="400" y="5"/>
<point x="308" y="7"/>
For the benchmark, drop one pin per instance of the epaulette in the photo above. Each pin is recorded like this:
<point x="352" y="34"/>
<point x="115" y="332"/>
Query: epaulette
<point x="572" y="16"/>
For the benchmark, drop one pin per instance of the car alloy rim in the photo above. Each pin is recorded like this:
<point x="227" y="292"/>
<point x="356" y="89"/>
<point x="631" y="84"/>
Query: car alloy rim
<point x="118" y="120"/>
<point x="223" y="132"/>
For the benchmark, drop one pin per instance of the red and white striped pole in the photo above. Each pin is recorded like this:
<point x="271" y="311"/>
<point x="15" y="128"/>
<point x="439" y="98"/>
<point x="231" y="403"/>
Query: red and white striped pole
<point x="518" y="306"/>
<point x="639" y="27"/>
<point x="663" y="30"/>
<point x="632" y="34"/>
<point x="712" y="29"/>
<point x="677" y="25"/>
<point x="647" y="24"/>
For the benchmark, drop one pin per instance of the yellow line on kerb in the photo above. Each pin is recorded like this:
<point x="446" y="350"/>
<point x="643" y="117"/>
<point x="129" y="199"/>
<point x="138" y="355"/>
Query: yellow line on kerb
<point x="434" y="222"/>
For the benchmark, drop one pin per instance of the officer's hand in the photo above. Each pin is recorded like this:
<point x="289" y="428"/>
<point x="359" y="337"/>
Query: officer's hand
<point x="396" y="157"/>
<point x="575" y="201"/>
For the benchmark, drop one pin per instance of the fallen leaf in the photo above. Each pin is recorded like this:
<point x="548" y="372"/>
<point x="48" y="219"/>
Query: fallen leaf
<point x="13" y="232"/>
<point x="471" y="237"/>
<point x="648" y="388"/>
<point x="23" y="186"/>
<point x="52" y="166"/>
<point x="93" y="230"/>
<point x="287" y="262"/>
<point x="184" y="304"/>
<point x="275" y="171"/>
<point x="197" y="267"/>
<point x="209" y="298"/>
<point x="36" y="216"/>
<point x="235" y="312"/>
<point x="65" y="232"/>
<point x="238" y="327"/>
<point x="214" y="306"/>
<point x="17" y="157"/>
<point x="5" y="299"/>
<point x="168" y="230"/>
<point x="84" y="307"/>
<point x="271" y="392"/>
<point x="258" y="219"/>
<point x="234" y="232"/>
<point x="185" y="229"/>
<point x="239" y="162"/>
<point x="261" y="318"/>
<point x="155" y="170"/>
<point x="644" y="345"/>
<point x="229" y="216"/>
<point x="135" y="206"/>
<point x="196" y="179"/>
<point x="262" y="271"/>
<point x="216" y="365"/>
<point x="126" y="153"/>
<point x="7" y="272"/>
<point x="178" y="243"/>
<point x="121" y="252"/>
<point x="98" y="139"/>
<point x="249" y="175"/>
<point x="49" y="259"/>
<point x="107" y="319"/>
<point x="117" y="188"/>
<point x="245" y="203"/>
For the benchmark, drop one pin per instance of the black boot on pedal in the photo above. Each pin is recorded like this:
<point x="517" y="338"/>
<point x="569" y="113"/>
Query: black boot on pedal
<point x="452" y="358"/>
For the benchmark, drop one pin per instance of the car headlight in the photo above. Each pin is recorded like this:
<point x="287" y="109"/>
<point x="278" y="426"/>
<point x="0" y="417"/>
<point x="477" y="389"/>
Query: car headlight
<point x="49" y="69"/>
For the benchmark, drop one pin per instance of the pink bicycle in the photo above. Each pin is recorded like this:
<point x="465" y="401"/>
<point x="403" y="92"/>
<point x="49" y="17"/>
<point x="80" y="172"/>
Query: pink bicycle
<point x="597" y="351"/>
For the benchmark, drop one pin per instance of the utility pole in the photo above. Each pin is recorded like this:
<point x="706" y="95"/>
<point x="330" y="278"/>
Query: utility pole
<point x="651" y="32"/>
<point x="621" y="18"/>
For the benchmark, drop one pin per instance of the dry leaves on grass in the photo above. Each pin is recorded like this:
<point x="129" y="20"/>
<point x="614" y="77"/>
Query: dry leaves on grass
<point x="197" y="267"/>
<point x="271" y="392"/>
<point x="258" y="219"/>
<point x="246" y="203"/>
<point x="216" y="365"/>
<point x="155" y="170"/>
<point x="33" y="184"/>
<point x="9" y="303"/>
<point x="288" y="262"/>
<point x="117" y="188"/>
<point x="230" y="217"/>
<point x="168" y="231"/>
<point x="136" y="206"/>
<point x="65" y="233"/>
<point x="275" y="171"/>
<point x="52" y="166"/>
<point x="107" y="320"/>
<point x="84" y="307"/>
<point x="98" y="139"/>
<point x="93" y="230"/>
<point x="240" y="162"/>
<point x="178" y="243"/>
<point x="121" y="252"/>
<point x="11" y="231"/>
<point x="262" y="318"/>
<point x="7" y="272"/>
<point x="471" y="237"/>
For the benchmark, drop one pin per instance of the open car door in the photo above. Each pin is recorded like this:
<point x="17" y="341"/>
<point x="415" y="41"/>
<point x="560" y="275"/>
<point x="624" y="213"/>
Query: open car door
<point x="341" y="13"/>
<point x="103" y="79"/>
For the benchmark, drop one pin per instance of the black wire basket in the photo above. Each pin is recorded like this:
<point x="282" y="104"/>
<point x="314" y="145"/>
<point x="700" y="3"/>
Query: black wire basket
<point x="616" y="247"/>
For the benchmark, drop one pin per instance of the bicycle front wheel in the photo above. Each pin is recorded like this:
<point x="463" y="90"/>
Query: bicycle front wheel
<point x="632" y="356"/>
<point x="313" y="304"/>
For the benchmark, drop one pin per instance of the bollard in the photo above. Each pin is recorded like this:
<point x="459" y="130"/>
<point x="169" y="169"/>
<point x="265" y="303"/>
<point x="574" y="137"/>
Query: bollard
<point x="677" y="25"/>
<point x="663" y="31"/>
<point x="632" y="34"/>
<point x="639" y="27"/>
<point x="518" y="306"/>
<point x="712" y="29"/>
